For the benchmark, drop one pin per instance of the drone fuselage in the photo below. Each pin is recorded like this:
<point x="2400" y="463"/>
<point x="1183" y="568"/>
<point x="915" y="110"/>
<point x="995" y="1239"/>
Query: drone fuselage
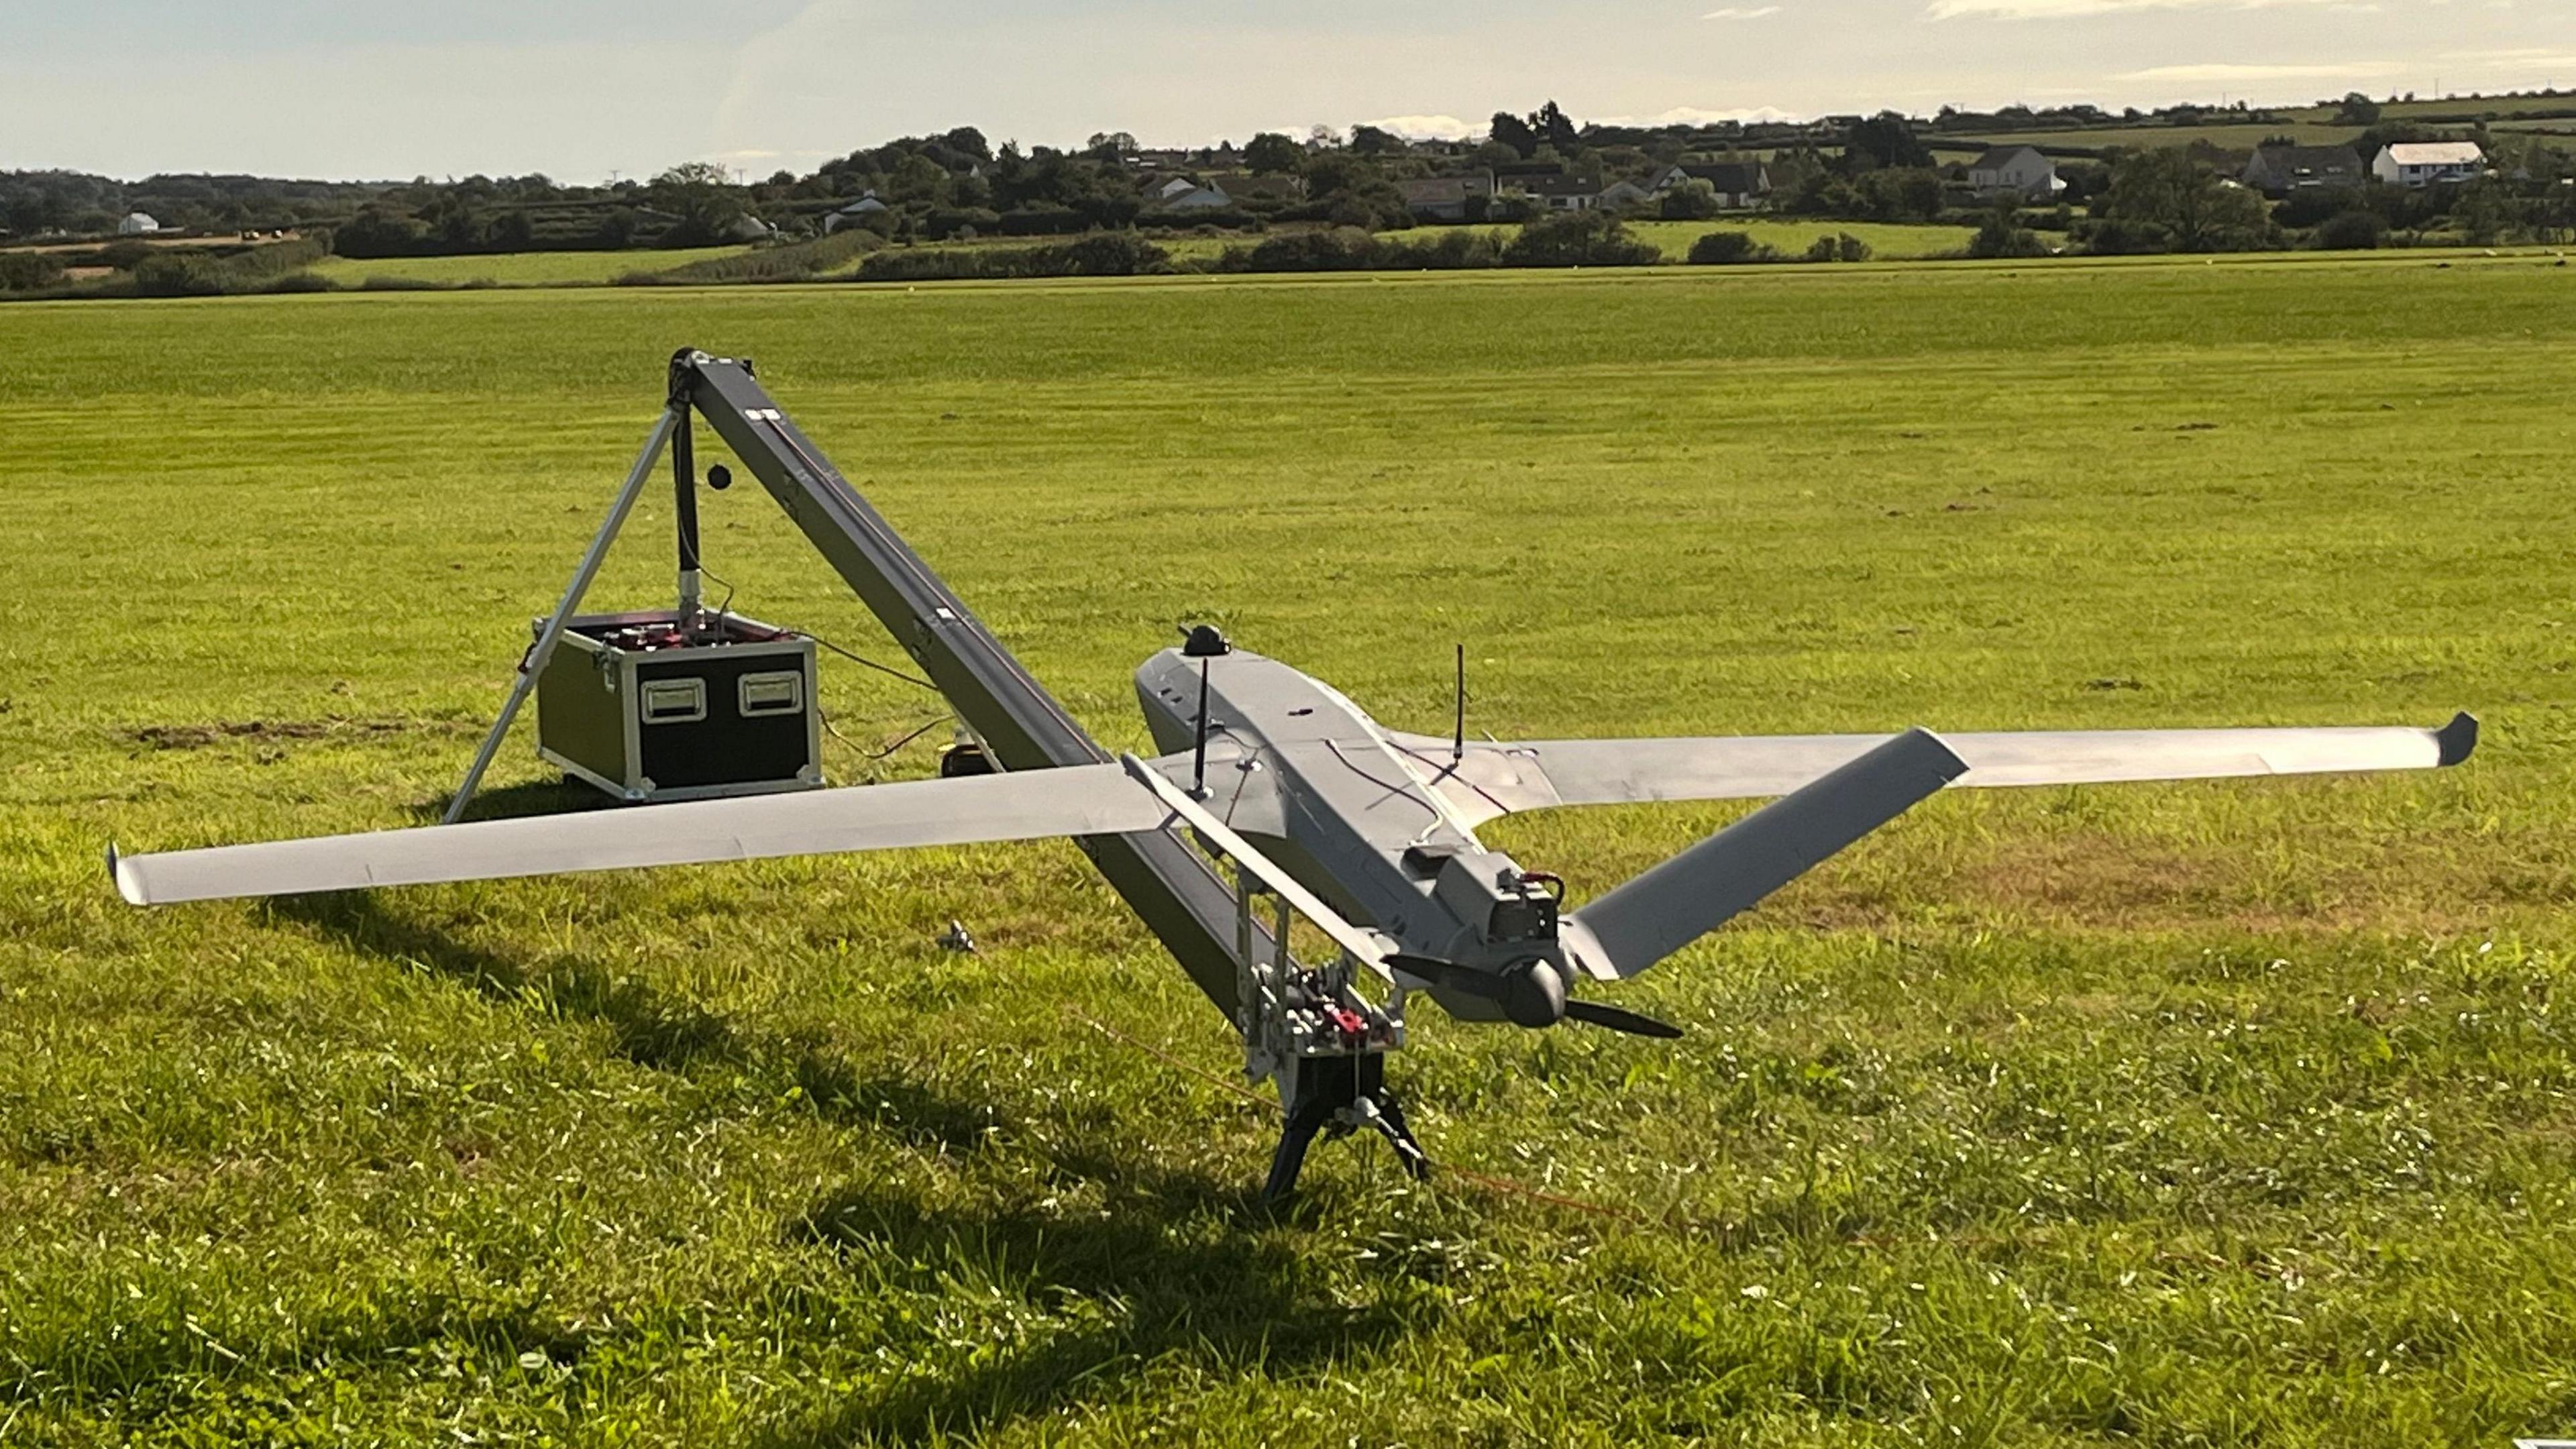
<point x="1350" y="811"/>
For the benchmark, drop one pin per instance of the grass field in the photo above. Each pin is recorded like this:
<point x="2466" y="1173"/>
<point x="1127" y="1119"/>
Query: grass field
<point x="2234" y="137"/>
<point x="517" y="269"/>
<point x="1891" y="241"/>
<point x="2224" y="1114"/>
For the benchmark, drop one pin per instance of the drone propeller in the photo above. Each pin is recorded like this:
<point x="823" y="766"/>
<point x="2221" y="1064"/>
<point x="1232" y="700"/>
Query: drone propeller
<point x="1530" y="994"/>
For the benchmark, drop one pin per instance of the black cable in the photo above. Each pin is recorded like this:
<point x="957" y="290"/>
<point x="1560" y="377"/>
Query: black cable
<point x="852" y="656"/>
<point x="872" y="664"/>
<point x="873" y="755"/>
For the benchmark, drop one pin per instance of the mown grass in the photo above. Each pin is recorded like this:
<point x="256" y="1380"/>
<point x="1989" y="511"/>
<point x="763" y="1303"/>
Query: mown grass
<point x="1893" y="241"/>
<point x="2232" y="136"/>
<point x="518" y="269"/>
<point x="2214" y="1114"/>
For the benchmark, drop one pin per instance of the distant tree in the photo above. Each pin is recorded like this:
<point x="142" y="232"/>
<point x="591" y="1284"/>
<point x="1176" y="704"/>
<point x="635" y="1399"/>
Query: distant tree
<point x="2484" y="209"/>
<point x="1579" y="239"/>
<point x="1370" y="141"/>
<point x="1110" y="146"/>
<point x="701" y="194"/>
<point x="1886" y="139"/>
<point x="2003" y="235"/>
<point x="616" y="227"/>
<point x="27" y="271"/>
<point x="511" y="231"/>
<point x="1350" y="191"/>
<point x="1272" y="154"/>
<point x="2167" y="189"/>
<point x="1512" y="131"/>
<point x="1693" y="200"/>
<point x="1554" y="127"/>
<point x="375" y="232"/>
<point x="918" y="178"/>
<point x="125" y="255"/>
<point x="2357" y="110"/>
<point x="1729" y="248"/>
<point x="2350" y="231"/>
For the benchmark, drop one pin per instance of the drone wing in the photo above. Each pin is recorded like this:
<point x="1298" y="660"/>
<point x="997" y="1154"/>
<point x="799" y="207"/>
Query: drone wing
<point x="1493" y="779"/>
<point x="1079" y="800"/>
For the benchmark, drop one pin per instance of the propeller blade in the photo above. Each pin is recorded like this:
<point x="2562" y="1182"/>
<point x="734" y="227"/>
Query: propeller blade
<point x="1633" y="1023"/>
<point x="1493" y="986"/>
<point x="1450" y="974"/>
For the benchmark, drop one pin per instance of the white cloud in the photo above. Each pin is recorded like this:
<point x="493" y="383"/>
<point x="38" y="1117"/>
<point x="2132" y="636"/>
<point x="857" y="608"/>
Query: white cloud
<point x="2527" y="56"/>
<point x="1694" y="116"/>
<point x="2256" y="74"/>
<point x="1741" y="12"/>
<point x="2067" y="9"/>
<point x="1428" y="128"/>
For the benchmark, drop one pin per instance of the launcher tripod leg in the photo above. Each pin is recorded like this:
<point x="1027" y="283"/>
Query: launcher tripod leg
<point x="544" y="648"/>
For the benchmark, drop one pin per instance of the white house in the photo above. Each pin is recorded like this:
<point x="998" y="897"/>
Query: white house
<point x="137" y="224"/>
<point x="857" y="211"/>
<point x="1174" y="186"/>
<point x="1555" y="190"/>
<point x="2426" y="163"/>
<point x="2019" y="169"/>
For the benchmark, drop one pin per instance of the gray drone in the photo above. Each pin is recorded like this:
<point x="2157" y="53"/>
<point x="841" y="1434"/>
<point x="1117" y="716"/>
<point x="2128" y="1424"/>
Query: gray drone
<point x="1277" y="798"/>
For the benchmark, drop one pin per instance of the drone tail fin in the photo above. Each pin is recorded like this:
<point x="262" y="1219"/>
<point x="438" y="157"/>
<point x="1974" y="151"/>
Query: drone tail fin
<point x="1675" y="903"/>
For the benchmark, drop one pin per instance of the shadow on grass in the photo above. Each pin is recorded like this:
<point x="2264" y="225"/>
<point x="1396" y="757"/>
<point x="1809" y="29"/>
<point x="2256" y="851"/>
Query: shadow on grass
<point x="1175" y="1269"/>
<point x="1178" y="1266"/>
<point x="645" y="1025"/>
<point x="560" y="796"/>
<point x="648" y="1026"/>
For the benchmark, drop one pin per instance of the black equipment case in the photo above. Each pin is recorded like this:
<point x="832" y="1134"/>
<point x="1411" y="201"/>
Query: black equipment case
<point x="646" y="710"/>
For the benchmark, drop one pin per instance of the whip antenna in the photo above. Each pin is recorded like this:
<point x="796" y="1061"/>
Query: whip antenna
<point x="1198" y="753"/>
<point x="1458" y="741"/>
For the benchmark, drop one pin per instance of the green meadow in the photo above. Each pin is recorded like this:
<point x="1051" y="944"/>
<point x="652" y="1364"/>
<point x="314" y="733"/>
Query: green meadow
<point x="515" y="269"/>
<point x="2228" y="1113"/>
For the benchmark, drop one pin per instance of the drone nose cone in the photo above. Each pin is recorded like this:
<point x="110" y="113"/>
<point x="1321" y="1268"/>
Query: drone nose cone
<point x="1533" y="994"/>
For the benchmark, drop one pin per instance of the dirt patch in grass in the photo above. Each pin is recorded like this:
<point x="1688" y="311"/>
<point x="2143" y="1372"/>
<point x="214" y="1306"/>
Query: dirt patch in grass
<point x="199" y="736"/>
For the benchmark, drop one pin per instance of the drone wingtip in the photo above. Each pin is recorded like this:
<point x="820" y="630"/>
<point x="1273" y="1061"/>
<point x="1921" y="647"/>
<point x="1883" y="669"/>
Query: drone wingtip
<point x="2457" y="739"/>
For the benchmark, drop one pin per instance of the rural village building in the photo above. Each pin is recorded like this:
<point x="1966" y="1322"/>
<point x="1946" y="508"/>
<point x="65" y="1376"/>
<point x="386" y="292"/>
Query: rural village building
<point x="2280" y="170"/>
<point x="856" y="212"/>
<point x="1622" y="194"/>
<point x="1192" y="196"/>
<point x="1445" y="198"/>
<point x="1740" y="185"/>
<point x="1257" y="186"/>
<point x="2019" y="169"/>
<point x="137" y="224"/>
<point x="1555" y="190"/>
<point x="2427" y="163"/>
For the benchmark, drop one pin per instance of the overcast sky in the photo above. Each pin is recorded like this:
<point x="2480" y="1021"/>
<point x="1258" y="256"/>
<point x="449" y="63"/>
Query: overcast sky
<point x="581" y="89"/>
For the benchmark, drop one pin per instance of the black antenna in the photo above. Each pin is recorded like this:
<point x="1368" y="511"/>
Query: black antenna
<point x="1198" y="755"/>
<point x="1458" y="742"/>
